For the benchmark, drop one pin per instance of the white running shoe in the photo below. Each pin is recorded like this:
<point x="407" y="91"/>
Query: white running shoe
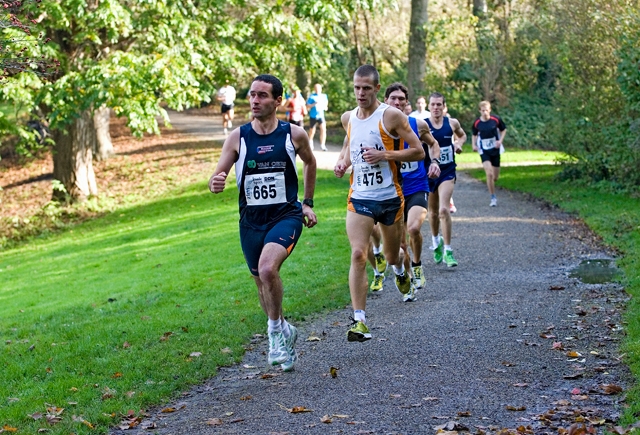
<point x="278" y="353"/>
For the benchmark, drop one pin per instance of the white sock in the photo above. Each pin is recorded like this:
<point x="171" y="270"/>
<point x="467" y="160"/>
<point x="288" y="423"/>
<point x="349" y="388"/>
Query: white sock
<point x="285" y="329"/>
<point x="359" y="316"/>
<point x="447" y="248"/>
<point x="435" y="240"/>
<point x="377" y="250"/>
<point x="398" y="271"/>
<point x="274" y="326"/>
<point x="376" y="273"/>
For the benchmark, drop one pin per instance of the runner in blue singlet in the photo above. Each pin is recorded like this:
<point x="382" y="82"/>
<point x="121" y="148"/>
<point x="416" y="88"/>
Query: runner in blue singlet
<point x="451" y="137"/>
<point x="271" y="217"/>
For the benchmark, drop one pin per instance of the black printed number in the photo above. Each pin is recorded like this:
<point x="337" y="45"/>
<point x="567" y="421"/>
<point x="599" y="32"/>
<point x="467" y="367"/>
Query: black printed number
<point x="264" y="191"/>
<point x="372" y="178"/>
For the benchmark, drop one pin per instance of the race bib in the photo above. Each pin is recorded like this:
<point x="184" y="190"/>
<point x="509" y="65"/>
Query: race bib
<point x="371" y="177"/>
<point x="446" y="155"/>
<point x="406" y="167"/>
<point x="265" y="189"/>
<point x="488" y="144"/>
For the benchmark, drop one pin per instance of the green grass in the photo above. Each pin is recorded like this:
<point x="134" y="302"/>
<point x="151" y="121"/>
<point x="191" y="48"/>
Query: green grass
<point x="83" y="313"/>
<point x="614" y="217"/>
<point x="510" y="157"/>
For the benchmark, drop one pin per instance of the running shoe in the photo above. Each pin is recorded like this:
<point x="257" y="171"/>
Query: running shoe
<point x="448" y="258"/>
<point x="376" y="284"/>
<point x="438" y="251"/>
<point x="287" y="366"/>
<point x="452" y="207"/>
<point x="358" y="332"/>
<point x="411" y="296"/>
<point x="418" y="277"/>
<point x="381" y="262"/>
<point x="278" y="353"/>
<point x="324" y="148"/>
<point x="494" y="202"/>
<point x="403" y="283"/>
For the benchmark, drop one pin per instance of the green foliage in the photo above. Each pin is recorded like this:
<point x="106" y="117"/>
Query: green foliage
<point x="122" y="302"/>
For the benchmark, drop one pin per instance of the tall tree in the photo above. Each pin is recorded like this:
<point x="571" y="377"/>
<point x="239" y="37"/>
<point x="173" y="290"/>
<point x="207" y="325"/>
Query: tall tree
<point x="417" y="47"/>
<point x="134" y="57"/>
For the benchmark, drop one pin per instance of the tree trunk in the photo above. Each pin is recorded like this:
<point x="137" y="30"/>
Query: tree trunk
<point x="73" y="158"/>
<point x="479" y="8"/>
<point x="417" y="47"/>
<point x="303" y="79"/>
<point x="104" y="146"/>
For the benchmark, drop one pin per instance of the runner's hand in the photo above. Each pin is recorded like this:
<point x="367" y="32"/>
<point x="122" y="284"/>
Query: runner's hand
<point x="434" y="170"/>
<point x="340" y="168"/>
<point x="218" y="182"/>
<point x="308" y="216"/>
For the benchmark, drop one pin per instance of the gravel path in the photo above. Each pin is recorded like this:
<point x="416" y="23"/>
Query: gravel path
<point x="506" y="339"/>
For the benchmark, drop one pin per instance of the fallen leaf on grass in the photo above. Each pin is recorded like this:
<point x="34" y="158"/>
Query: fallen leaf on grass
<point x="214" y="422"/>
<point x="611" y="389"/>
<point x="8" y="428"/>
<point x="79" y="419"/>
<point x="516" y="408"/>
<point x="225" y="350"/>
<point x="166" y="336"/>
<point x="195" y="354"/>
<point x="117" y="375"/>
<point x="36" y="415"/>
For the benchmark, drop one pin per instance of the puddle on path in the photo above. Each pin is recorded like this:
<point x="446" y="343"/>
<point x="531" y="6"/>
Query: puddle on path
<point x="596" y="271"/>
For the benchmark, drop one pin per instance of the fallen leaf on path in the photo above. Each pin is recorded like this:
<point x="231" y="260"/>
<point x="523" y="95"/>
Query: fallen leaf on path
<point x="576" y="391"/>
<point x="451" y="426"/>
<point x="395" y="396"/>
<point x="557" y="345"/>
<point x="168" y="410"/>
<point x="340" y="416"/>
<point x="516" y="408"/>
<point x="556" y="287"/>
<point x="246" y="398"/>
<point x="464" y="413"/>
<point x="313" y="338"/>
<point x="611" y="389"/>
<point x="573" y="354"/>
<point x="334" y="372"/>
<point x="508" y="364"/>
<point x="326" y="419"/>
<point x="295" y="409"/>
<point x="521" y="384"/>
<point x="580" y="397"/>
<point x="430" y="399"/>
<point x="573" y="376"/>
<point x="214" y="422"/>
<point x="548" y="336"/>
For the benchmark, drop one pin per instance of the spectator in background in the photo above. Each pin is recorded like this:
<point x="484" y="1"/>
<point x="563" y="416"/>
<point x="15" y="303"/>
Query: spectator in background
<point x="227" y="96"/>
<point x="296" y="108"/>
<point x="421" y="112"/>
<point x="318" y="103"/>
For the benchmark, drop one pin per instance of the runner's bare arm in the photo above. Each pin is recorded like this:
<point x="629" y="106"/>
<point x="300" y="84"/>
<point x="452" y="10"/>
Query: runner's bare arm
<point x="301" y="142"/>
<point x="433" y="171"/>
<point x="344" y="160"/>
<point x="503" y="133"/>
<point x="397" y="122"/>
<point x="227" y="158"/>
<point x="461" y="136"/>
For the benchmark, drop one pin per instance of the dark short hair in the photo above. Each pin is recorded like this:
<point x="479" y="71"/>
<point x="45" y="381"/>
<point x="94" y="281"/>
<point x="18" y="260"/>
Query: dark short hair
<point x="368" y="71"/>
<point x="397" y="86"/>
<point x="276" y="84"/>
<point x="437" y="95"/>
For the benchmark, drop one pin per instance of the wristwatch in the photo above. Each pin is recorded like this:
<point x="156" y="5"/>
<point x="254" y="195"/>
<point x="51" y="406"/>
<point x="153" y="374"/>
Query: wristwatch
<point x="308" y="202"/>
<point x="436" y="161"/>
